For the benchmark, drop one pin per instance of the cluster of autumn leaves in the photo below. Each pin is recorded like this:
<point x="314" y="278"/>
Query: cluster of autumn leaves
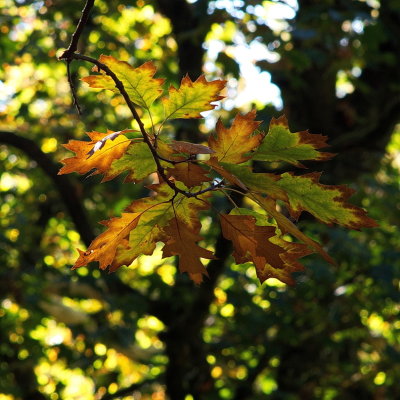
<point x="260" y="234"/>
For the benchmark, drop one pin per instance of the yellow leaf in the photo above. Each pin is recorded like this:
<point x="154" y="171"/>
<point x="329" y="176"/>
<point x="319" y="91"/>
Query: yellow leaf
<point x="233" y="145"/>
<point x="192" y="98"/>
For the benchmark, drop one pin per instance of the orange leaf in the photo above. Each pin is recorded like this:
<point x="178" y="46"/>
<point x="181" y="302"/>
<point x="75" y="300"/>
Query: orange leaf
<point x="104" y="247"/>
<point x="182" y="241"/>
<point x="233" y="145"/>
<point x="98" y="154"/>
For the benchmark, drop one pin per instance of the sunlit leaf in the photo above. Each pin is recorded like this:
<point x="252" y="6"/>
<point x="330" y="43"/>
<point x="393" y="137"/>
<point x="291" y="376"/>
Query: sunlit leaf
<point x="234" y="144"/>
<point x="86" y="159"/>
<point x="104" y="247"/>
<point x="325" y="202"/>
<point x="282" y="145"/>
<point x="192" y="98"/>
<point x="139" y="83"/>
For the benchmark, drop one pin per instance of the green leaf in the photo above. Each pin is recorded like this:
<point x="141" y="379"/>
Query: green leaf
<point x="282" y="145"/>
<point x="156" y="212"/>
<point x="192" y="98"/>
<point x="325" y="202"/>
<point x="137" y="160"/>
<point x="139" y="83"/>
<point x="258" y="182"/>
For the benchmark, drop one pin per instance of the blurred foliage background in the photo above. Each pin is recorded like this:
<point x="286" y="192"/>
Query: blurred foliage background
<point x="146" y="332"/>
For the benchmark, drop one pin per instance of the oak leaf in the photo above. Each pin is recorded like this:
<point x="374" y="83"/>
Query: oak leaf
<point x="287" y="226"/>
<point x="100" y="160"/>
<point x="139" y="83"/>
<point x="192" y="98"/>
<point x="104" y="247"/>
<point x="180" y="146"/>
<point x="138" y="161"/>
<point x="156" y="212"/>
<point x="253" y="243"/>
<point x="233" y="145"/>
<point x="182" y="242"/>
<point x="256" y="181"/>
<point x="282" y="145"/>
<point x="190" y="174"/>
<point x="326" y="202"/>
<point x="217" y="167"/>
<point x="288" y="262"/>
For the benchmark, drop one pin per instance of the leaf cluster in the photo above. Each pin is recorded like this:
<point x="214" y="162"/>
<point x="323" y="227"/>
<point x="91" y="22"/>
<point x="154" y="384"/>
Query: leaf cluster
<point x="185" y="175"/>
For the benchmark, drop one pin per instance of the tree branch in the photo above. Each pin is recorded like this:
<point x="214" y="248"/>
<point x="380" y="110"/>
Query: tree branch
<point x="73" y="46"/>
<point x="63" y="183"/>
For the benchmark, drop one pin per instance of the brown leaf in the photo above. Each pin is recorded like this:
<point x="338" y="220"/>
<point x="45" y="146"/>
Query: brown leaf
<point x="287" y="226"/>
<point x="190" y="148"/>
<point x="273" y="257"/>
<point x="182" y="241"/>
<point x="190" y="174"/>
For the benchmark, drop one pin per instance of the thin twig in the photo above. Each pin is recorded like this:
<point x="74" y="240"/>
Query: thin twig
<point x="229" y="198"/>
<point x="73" y="46"/>
<point x="73" y="91"/>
